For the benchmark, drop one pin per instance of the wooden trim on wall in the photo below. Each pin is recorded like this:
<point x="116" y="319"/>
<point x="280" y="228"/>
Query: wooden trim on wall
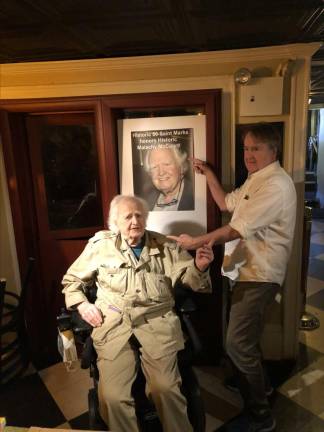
<point x="108" y="109"/>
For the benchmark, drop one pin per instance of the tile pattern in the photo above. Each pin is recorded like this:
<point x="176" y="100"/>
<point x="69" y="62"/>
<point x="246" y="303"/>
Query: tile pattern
<point x="54" y="397"/>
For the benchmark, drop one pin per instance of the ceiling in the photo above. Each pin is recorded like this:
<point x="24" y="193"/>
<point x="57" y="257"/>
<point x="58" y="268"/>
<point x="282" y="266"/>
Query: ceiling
<point x="40" y="30"/>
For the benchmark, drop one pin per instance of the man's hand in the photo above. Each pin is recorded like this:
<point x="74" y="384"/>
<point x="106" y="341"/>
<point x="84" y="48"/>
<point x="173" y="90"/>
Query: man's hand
<point x="184" y="240"/>
<point x="200" y="166"/>
<point x="190" y="243"/>
<point x="204" y="256"/>
<point x="90" y="313"/>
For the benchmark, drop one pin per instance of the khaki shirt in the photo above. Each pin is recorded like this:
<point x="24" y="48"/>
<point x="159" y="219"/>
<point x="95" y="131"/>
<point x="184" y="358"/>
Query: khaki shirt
<point x="134" y="296"/>
<point x="264" y="213"/>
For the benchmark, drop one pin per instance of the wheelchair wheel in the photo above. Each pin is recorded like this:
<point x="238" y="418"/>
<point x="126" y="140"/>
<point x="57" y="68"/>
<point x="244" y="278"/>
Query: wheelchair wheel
<point x="95" y="421"/>
<point x="195" y="404"/>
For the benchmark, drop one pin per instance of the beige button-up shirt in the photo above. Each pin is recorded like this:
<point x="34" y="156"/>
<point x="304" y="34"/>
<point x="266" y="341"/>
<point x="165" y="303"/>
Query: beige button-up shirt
<point x="264" y="213"/>
<point x="134" y="296"/>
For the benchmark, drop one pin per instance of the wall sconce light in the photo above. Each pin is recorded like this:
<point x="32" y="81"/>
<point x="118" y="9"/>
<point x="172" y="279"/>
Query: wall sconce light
<point x="242" y="76"/>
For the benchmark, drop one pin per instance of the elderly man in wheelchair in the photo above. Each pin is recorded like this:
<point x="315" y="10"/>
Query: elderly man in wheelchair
<point x="133" y="318"/>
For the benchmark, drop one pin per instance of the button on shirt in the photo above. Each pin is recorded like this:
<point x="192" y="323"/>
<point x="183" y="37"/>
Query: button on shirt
<point x="264" y="213"/>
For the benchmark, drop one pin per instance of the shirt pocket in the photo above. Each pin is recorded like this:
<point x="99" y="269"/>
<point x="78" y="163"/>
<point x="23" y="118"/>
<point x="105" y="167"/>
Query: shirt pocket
<point x="166" y="328"/>
<point x="159" y="287"/>
<point x="109" y="326"/>
<point x="113" y="278"/>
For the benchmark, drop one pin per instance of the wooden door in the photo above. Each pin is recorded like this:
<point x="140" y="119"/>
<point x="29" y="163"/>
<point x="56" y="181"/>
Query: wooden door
<point x="68" y="202"/>
<point x="61" y="159"/>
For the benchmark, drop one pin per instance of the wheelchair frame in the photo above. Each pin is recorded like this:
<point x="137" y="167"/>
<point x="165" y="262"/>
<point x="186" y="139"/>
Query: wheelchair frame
<point x="147" y="416"/>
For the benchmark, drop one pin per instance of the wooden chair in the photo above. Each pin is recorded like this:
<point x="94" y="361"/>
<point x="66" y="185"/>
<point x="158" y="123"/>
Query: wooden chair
<point x="13" y="336"/>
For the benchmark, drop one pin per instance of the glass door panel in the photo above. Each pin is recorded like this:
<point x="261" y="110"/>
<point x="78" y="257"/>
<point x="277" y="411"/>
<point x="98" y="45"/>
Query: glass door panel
<point x="69" y="160"/>
<point x="65" y="166"/>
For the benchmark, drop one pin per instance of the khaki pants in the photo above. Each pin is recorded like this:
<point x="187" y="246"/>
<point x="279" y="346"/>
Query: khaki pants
<point x="249" y="301"/>
<point x="163" y="382"/>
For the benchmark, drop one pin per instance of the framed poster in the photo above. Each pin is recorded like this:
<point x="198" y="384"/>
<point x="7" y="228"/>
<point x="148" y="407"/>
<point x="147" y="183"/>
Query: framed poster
<point x="154" y="163"/>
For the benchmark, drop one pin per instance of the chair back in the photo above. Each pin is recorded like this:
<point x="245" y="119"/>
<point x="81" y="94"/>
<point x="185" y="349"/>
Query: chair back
<point x="2" y="294"/>
<point x="26" y="281"/>
<point x="14" y="350"/>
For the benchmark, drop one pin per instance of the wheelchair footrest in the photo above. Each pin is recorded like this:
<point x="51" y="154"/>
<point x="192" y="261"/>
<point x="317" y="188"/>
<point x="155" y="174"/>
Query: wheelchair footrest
<point x="149" y="422"/>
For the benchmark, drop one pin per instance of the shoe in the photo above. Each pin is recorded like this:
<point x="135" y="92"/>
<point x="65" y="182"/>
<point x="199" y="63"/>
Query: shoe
<point x="244" y="423"/>
<point x="267" y="425"/>
<point x="231" y="384"/>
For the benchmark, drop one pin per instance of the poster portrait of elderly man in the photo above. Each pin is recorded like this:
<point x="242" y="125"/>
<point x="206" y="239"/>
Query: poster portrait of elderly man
<point x="168" y="169"/>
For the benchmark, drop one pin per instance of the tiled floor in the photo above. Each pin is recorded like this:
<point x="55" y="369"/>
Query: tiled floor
<point x="54" y="397"/>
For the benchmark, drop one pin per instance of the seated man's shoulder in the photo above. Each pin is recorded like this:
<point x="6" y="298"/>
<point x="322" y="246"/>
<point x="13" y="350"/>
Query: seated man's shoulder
<point x="102" y="235"/>
<point x="162" y="240"/>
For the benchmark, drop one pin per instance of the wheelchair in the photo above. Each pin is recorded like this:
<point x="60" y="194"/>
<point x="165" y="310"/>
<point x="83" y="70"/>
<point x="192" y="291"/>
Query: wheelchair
<point x="147" y="417"/>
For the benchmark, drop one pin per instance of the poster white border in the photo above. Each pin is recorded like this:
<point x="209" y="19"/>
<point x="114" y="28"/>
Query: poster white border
<point x="167" y="222"/>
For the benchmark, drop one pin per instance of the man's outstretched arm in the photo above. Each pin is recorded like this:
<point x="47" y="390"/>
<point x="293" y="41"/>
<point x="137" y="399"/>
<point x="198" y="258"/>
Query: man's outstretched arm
<point x="218" y="236"/>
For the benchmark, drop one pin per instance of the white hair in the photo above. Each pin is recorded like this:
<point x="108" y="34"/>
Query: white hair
<point x="114" y="208"/>
<point x="179" y="156"/>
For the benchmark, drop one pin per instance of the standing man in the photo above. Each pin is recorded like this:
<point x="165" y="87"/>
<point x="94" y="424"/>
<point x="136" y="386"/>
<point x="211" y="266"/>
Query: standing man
<point x="258" y="241"/>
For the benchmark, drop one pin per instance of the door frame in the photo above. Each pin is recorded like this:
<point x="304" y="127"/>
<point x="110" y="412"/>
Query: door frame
<point x="107" y="110"/>
<point x="22" y="202"/>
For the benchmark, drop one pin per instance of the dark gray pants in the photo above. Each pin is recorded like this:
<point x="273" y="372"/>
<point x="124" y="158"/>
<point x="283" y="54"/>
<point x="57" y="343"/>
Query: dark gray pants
<point x="248" y="302"/>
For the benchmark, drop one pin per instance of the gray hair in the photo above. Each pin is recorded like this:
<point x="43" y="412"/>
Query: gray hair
<point x="113" y="209"/>
<point x="179" y="155"/>
<point x="267" y="133"/>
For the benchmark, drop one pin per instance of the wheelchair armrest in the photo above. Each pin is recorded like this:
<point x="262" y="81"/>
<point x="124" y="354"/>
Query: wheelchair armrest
<point x="192" y="334"/>
<point x="79" y="325"/>
<point x="185" y="306"/>
<point x="90" y="292"/>
<point x="183" y="299"/>
<point x="71" y="320"/>
<point x="64" y="320"/>
<point x="89" y="354"/>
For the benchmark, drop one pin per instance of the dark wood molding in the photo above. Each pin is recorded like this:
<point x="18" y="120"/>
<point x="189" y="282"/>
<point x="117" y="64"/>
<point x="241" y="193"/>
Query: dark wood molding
<point x="107" y="110"/>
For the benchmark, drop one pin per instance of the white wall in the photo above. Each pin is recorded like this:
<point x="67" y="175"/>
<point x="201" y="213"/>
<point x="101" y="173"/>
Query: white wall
<point x="8" y="255"/>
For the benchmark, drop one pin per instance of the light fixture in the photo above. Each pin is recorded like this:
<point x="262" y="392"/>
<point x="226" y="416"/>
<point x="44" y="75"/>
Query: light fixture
<point x="242" y="76"/>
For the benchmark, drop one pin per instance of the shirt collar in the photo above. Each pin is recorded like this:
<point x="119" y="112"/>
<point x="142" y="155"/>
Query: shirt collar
<point x="266" y="170"/>
<point x="150" y="243"/>
<point x="172" y="205"/>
